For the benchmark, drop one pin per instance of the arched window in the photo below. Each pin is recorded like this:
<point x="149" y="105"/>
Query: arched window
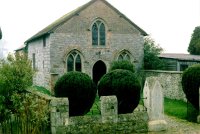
<point x="74" y="62"/>
<point x="124" y="56"/>
<point x="98" y="34"/>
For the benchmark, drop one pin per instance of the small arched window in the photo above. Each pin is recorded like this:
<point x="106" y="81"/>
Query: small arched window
<point x="124" y="56"/>
<point x="98" y="34"/>
<point x="74" y="62"/>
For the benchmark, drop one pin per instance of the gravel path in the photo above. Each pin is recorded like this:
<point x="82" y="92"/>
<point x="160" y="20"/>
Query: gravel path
<point x="179" y="126"/>
<point x="176" y="125"/>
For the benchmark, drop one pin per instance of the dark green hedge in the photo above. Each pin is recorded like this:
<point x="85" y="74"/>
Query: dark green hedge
<point x="124" y="64"/>
<point x="80" y="90"/>
<point x="125" y="85"/>
<point x="191" y="83"/>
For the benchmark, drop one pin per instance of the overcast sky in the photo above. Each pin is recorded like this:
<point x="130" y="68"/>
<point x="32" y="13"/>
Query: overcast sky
<point x="169" y="22"/>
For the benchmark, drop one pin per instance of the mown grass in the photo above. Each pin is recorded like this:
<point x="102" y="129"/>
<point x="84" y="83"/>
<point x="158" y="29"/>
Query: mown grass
<point x="95" y="110"/>
<point x="180" y="109"/>
<point x="96" y="107"/>
<point x="172" y="107"/>
<point x="41" y="90"/>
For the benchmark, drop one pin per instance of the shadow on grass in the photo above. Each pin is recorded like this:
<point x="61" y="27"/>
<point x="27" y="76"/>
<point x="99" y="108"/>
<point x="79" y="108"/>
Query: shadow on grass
<point x="180" y="109"/>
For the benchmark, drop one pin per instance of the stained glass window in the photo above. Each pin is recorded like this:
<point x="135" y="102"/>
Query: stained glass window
<point x="78" y="63"/>
<point x="102" y="34"/>
<point x="94" y="34"/>
<point x="74" y="62"/>
<point x="124" y="56"/>
<point x="98" y="33"/>
<point x="70" y="63"/>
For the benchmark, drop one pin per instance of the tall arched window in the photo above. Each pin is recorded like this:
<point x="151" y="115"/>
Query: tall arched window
<point x="98" y="34"/>
<point x="74" y="62"/>
<point x="124" y="56"/>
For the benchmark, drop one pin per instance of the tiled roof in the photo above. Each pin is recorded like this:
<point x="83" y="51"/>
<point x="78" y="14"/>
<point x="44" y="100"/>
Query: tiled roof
<point x="68" y="16"/>
<point x="20" y="48"/>
<point x="180" y="56"/>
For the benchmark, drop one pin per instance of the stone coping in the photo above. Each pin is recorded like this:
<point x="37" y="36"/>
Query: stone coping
<point x="163" y="71"/>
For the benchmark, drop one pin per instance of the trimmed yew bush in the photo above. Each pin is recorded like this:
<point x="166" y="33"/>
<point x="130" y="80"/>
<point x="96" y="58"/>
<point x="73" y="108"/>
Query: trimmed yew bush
<point x="125" y="85"/>
<point x="80" y="90"/>
<point x="124" y="64"/>
<point x="191" y="83"/>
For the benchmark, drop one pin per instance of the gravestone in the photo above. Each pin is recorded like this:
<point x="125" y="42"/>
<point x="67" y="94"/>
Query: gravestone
<point x="109" y="109"/>
<point x="157" y="111"/>
<point x="198" y="117"/>
<point x="146" y="95"/>
<point x="59" y="113"/>
<point x="153" y="101"/>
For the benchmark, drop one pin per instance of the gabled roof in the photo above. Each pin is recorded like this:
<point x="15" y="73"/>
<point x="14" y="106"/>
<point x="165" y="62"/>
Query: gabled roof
<point x="22" y="47"/>
<point x="69" y="15"/>
<point x="179" y="56"/>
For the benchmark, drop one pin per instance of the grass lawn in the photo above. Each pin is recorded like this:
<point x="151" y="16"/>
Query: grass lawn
<point x="95" y="110"/>
<point x="180" y="109"/>
<point x="41" y="90"/>
<point x="172" y="107"/>
<point x="175" y="108"/>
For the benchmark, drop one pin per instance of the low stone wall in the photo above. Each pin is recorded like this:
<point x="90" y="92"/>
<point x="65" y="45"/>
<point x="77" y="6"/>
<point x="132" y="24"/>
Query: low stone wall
<point x="108" y="122"/>
<point x="127" y="123"/>
<point x="170" y="82"/>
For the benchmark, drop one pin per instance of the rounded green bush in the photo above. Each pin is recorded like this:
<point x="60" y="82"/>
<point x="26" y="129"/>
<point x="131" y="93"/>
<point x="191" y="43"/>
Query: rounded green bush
<point x="124" y="64"/>
<point x="125" y="85"/>
<point x="80" y="90"/>
<point x="191" y="84"/>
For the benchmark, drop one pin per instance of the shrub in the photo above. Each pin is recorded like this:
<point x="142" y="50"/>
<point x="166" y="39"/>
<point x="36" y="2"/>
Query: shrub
<point x="125" y="85"/>
<point x="15" y="76"/>
<point x="15" y="73"/>
<point x="80" y="90"/>
<point x="191" y="83"/>
<point x="30" y="112"/>
<point x="127" y="65"/>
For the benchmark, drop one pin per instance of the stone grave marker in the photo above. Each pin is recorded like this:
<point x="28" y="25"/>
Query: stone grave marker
<point x="109" y="109"/>
<point x="59" y="113"/>
<point x="149" y="83"/>
<point x="154" y="104"/>
<point x="146" y="95"/>
<point x="157" y="111"/>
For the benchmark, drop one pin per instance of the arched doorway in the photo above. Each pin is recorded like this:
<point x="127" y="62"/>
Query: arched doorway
<point x="99" y="69"/>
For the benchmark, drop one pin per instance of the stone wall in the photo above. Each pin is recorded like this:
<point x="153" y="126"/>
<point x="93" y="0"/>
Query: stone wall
<point x="127" y="123"/>
<point x="170" y="82"/>
<point x="42" y="61"/>
<point x="108" y="122"/>
<point x="76" y="34"/>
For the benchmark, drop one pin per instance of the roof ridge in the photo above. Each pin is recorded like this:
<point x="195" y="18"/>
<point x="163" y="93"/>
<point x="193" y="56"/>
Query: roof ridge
<point x="126" y="18"/>
<point x="50" y="28"/>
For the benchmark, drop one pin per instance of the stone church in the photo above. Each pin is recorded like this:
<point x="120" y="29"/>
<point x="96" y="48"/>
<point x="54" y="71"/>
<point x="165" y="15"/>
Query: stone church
<point x="87" y="40"/>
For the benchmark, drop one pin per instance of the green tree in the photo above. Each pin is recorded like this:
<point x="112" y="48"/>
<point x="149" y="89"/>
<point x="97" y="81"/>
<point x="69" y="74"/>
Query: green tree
<point x="190" y="84"/>
<point x="15" y="73"/>
<point x="151" y="53"/>
<point x="124" y="64"/>
<point x="80" y="90"/>
<point x="15" y="76"/>
<point x="194" y="46"/>
<point x="125" y="85"/>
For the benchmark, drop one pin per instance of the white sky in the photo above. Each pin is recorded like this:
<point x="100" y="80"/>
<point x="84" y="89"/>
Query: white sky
<point x="169" y="22"/>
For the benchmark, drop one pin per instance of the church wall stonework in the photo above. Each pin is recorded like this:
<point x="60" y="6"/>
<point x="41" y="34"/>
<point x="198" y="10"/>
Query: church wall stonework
<point x="76" y="34"/>
<point x="42" y="61"/>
